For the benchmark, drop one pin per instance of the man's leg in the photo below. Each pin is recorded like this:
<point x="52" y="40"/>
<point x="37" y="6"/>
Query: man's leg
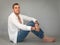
<point x="40" y="34"/>
<point x="22" y="35"/>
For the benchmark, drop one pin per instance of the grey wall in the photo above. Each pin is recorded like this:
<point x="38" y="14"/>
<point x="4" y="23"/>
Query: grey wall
<point x="46" y="11"/>
<point x="59" y="9"/>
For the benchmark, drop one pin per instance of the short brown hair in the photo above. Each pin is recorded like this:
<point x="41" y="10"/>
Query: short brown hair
<point x="14" y="5"/>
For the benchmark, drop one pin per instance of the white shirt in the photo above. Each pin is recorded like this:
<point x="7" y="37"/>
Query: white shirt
<point x="14" y="26"/>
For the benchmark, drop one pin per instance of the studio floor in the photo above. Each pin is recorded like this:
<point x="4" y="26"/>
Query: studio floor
<point x="31" y="39"/>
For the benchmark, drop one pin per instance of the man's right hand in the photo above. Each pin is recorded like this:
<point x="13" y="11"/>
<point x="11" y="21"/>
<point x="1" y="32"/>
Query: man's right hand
<point x="36" y="28"/>
<point x="33" y="28"/>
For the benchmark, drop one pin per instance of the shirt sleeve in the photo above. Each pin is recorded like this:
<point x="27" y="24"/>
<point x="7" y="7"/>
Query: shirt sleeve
<point x="29" y="18"/>
<point x="20" y="26"/>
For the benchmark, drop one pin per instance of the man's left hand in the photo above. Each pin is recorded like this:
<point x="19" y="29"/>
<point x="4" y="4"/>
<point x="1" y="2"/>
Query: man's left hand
<point x="37" y="26"/>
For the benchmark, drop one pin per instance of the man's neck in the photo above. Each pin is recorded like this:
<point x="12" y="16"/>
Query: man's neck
<point x="16" y="14"/>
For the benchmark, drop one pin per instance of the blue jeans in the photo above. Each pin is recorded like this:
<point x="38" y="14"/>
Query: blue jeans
<point x="22" y="33"/>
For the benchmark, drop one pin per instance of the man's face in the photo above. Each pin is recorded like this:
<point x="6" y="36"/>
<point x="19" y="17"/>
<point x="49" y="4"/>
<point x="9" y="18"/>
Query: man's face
<point x="16" y="9"/>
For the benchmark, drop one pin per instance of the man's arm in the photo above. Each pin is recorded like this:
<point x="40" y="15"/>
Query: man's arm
<point x="37" y="28"/>
<point x="28" y="18"/>
<point x="21" y="26"/>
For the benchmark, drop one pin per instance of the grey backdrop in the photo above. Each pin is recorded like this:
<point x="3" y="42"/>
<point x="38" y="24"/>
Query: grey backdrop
<point x="46" y="11"/>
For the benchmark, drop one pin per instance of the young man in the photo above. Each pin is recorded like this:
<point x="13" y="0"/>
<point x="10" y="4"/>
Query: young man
<point x="17" y="30"/>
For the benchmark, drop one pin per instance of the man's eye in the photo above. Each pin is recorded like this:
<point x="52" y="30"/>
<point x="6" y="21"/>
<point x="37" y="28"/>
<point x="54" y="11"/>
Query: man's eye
<point x="15" y="7"/>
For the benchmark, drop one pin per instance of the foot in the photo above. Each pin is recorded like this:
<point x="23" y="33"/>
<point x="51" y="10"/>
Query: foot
<point x="49" y="39"/>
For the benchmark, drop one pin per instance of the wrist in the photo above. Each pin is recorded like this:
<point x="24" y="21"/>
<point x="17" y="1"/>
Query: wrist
<point x="32" y="28"/>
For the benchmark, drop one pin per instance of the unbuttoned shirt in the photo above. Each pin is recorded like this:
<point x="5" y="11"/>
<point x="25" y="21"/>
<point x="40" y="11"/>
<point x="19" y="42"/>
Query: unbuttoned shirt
<point x="14" y="25"/>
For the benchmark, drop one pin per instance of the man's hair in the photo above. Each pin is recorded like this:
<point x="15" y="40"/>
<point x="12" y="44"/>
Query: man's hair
<point x="14" y="5"/>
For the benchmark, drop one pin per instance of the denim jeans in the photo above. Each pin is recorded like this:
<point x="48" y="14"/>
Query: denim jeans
<point x="23" y="33"/>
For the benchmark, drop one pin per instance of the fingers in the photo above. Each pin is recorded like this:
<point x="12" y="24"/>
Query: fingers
<point x="37" y="27"/>
<point x="32" y="28"/>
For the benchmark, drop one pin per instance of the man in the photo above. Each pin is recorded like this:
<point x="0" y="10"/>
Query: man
<point x="17" y="30"/>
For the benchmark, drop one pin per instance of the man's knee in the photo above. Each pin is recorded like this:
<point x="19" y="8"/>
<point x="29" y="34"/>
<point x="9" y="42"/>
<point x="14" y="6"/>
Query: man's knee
<point x="40" y="34"/>
<point x="31" y="23"/>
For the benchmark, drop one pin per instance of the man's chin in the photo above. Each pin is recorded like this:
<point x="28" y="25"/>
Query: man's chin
<point x="17" y="13"/>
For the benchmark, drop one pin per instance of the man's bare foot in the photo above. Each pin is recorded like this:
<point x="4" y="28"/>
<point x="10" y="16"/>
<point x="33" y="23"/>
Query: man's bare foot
<point x="49" y="39"/>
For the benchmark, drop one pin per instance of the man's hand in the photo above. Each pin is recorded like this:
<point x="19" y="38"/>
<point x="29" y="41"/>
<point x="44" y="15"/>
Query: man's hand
<point x="33" y="28"/>
<point x="37" y="27"/>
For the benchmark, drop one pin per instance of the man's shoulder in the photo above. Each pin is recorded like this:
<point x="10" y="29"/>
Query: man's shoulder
<point x="11" y="15"/>
<point x="22" y="15"/>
